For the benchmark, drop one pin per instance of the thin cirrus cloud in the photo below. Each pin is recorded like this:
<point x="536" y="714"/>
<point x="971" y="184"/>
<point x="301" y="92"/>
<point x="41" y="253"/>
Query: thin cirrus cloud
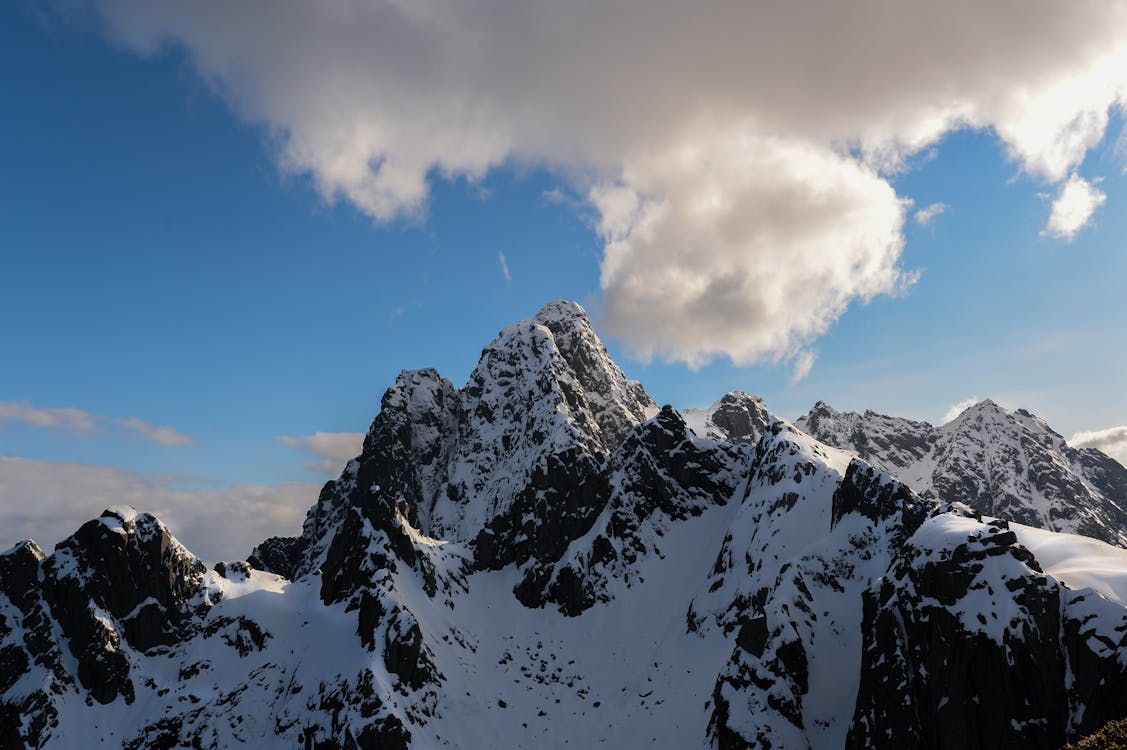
<point x="47" y="501"/>
<point x="79" y="422"/>
<point x="504" y="267"/>
<point x="331" y="450"/>
<point x="737" y="159"/>
<point x="1112" y="441"/>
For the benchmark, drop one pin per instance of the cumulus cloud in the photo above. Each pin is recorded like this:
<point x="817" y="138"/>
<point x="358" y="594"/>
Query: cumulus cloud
<point x="332" y="449"/>
<point x="1073" y="208"/>
<point x="958" y="408"/>
<point x="1112" y="441"/>
<point x="737" y="157"/>
<point x="927" y="214"/>
<point x="81" y="422"/>
<point x="48" y="501"/>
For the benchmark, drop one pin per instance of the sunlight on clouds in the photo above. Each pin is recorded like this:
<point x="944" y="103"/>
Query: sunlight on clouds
<point x="690" y="132"/>
<point x="754" y="249"/>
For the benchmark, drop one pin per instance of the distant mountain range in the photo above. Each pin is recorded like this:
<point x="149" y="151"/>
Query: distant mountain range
<point x="545" y="558"/>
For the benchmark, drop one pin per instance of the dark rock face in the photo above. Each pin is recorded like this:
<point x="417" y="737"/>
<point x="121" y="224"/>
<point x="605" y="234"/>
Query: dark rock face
<point x="527" y="436"/>
<point x="863" y="491"/>
<point x="132" y="570"/>
<point x="557" y="505"/>
<point x="29" y="650"/>
<point x="281" y="555"/>
<point x="937" y="673"/>
<point x="964" y="641"/>
<point x="662" y="475"/>
<point x="741" y="417"/>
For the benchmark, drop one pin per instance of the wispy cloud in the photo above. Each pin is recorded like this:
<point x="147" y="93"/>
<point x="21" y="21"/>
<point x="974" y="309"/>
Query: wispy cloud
<point x="1074" y="207"/>
<point x="73" y="420"/>
<point x="162" y="434"/>
<point x="801" y="366"/>
<point x="48" y="501"/>
<point x="927" y="214"/>
<point x="79" y="422"/>
<point x="958" y="408"/>
<point x="504" y="267"/>
<point x="332" y="449"/>
<point x="1112" y="441"/>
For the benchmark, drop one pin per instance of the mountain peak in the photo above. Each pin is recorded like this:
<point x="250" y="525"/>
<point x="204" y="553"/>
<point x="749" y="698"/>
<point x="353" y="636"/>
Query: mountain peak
<point x="716" y="557"/>
<point x="822" y="408"/>
<point x="560" y="311"/>
<point x="982" y="410"/>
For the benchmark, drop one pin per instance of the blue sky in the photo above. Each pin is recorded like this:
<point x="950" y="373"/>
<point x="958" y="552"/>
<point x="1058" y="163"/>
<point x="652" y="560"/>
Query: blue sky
<point x="159" y="264"/>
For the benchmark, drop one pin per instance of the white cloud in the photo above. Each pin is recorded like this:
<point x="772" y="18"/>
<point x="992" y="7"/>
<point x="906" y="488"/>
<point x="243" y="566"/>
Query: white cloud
<point x="925" y="215"/>
<point x="700" y="271"/>
<point x="333" y="449"/>
<point x="1073" y="208"/>
<point x="724" y="150"/>
<point x="1112" y="441"/>
<point x="504" y="267"/>
<point x="956" y="409"/>
<point x="85" y="423"/>
<point x="48" y="501"/>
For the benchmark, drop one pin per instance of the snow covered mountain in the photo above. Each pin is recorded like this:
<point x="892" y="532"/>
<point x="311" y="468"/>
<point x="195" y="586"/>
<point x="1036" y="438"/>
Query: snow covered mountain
<point x="1003" y="464"/>
<point x="544" y="558"/>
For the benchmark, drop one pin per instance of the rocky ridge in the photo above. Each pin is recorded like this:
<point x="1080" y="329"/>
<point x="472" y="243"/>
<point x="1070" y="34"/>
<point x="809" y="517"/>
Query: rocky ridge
<point x="1009" y="465"/>
<point x="544" y="557"/>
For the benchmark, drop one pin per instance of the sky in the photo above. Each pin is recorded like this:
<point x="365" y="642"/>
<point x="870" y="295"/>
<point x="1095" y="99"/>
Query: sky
<point x="224" y="229"/>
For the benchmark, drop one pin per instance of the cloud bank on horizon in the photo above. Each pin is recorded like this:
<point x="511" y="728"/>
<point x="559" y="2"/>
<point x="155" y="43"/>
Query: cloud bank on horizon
<point x="738" y="159"/>
<point x="47" y="501"/>
<point x="332" y="449"/>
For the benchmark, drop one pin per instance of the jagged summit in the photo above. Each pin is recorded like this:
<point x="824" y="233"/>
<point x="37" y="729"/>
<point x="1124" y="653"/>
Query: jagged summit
<point x="737" y="417"/>
<point x="543" y="557"/>
<point x="981" y="410"/>
<point x="1006" y="464"/>
<point x="561" y="311"/>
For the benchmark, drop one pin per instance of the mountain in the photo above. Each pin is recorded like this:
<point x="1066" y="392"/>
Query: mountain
<point x="545" y="558"/>
<point x="1011" y="465"/>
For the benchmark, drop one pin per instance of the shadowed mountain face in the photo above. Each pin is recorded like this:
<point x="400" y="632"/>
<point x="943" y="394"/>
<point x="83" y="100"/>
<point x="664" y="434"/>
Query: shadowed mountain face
<point x="543" y="557"/>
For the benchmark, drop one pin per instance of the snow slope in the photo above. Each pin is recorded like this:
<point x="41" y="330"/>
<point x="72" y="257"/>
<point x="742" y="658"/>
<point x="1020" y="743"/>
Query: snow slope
<point x="543" y="558"/>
